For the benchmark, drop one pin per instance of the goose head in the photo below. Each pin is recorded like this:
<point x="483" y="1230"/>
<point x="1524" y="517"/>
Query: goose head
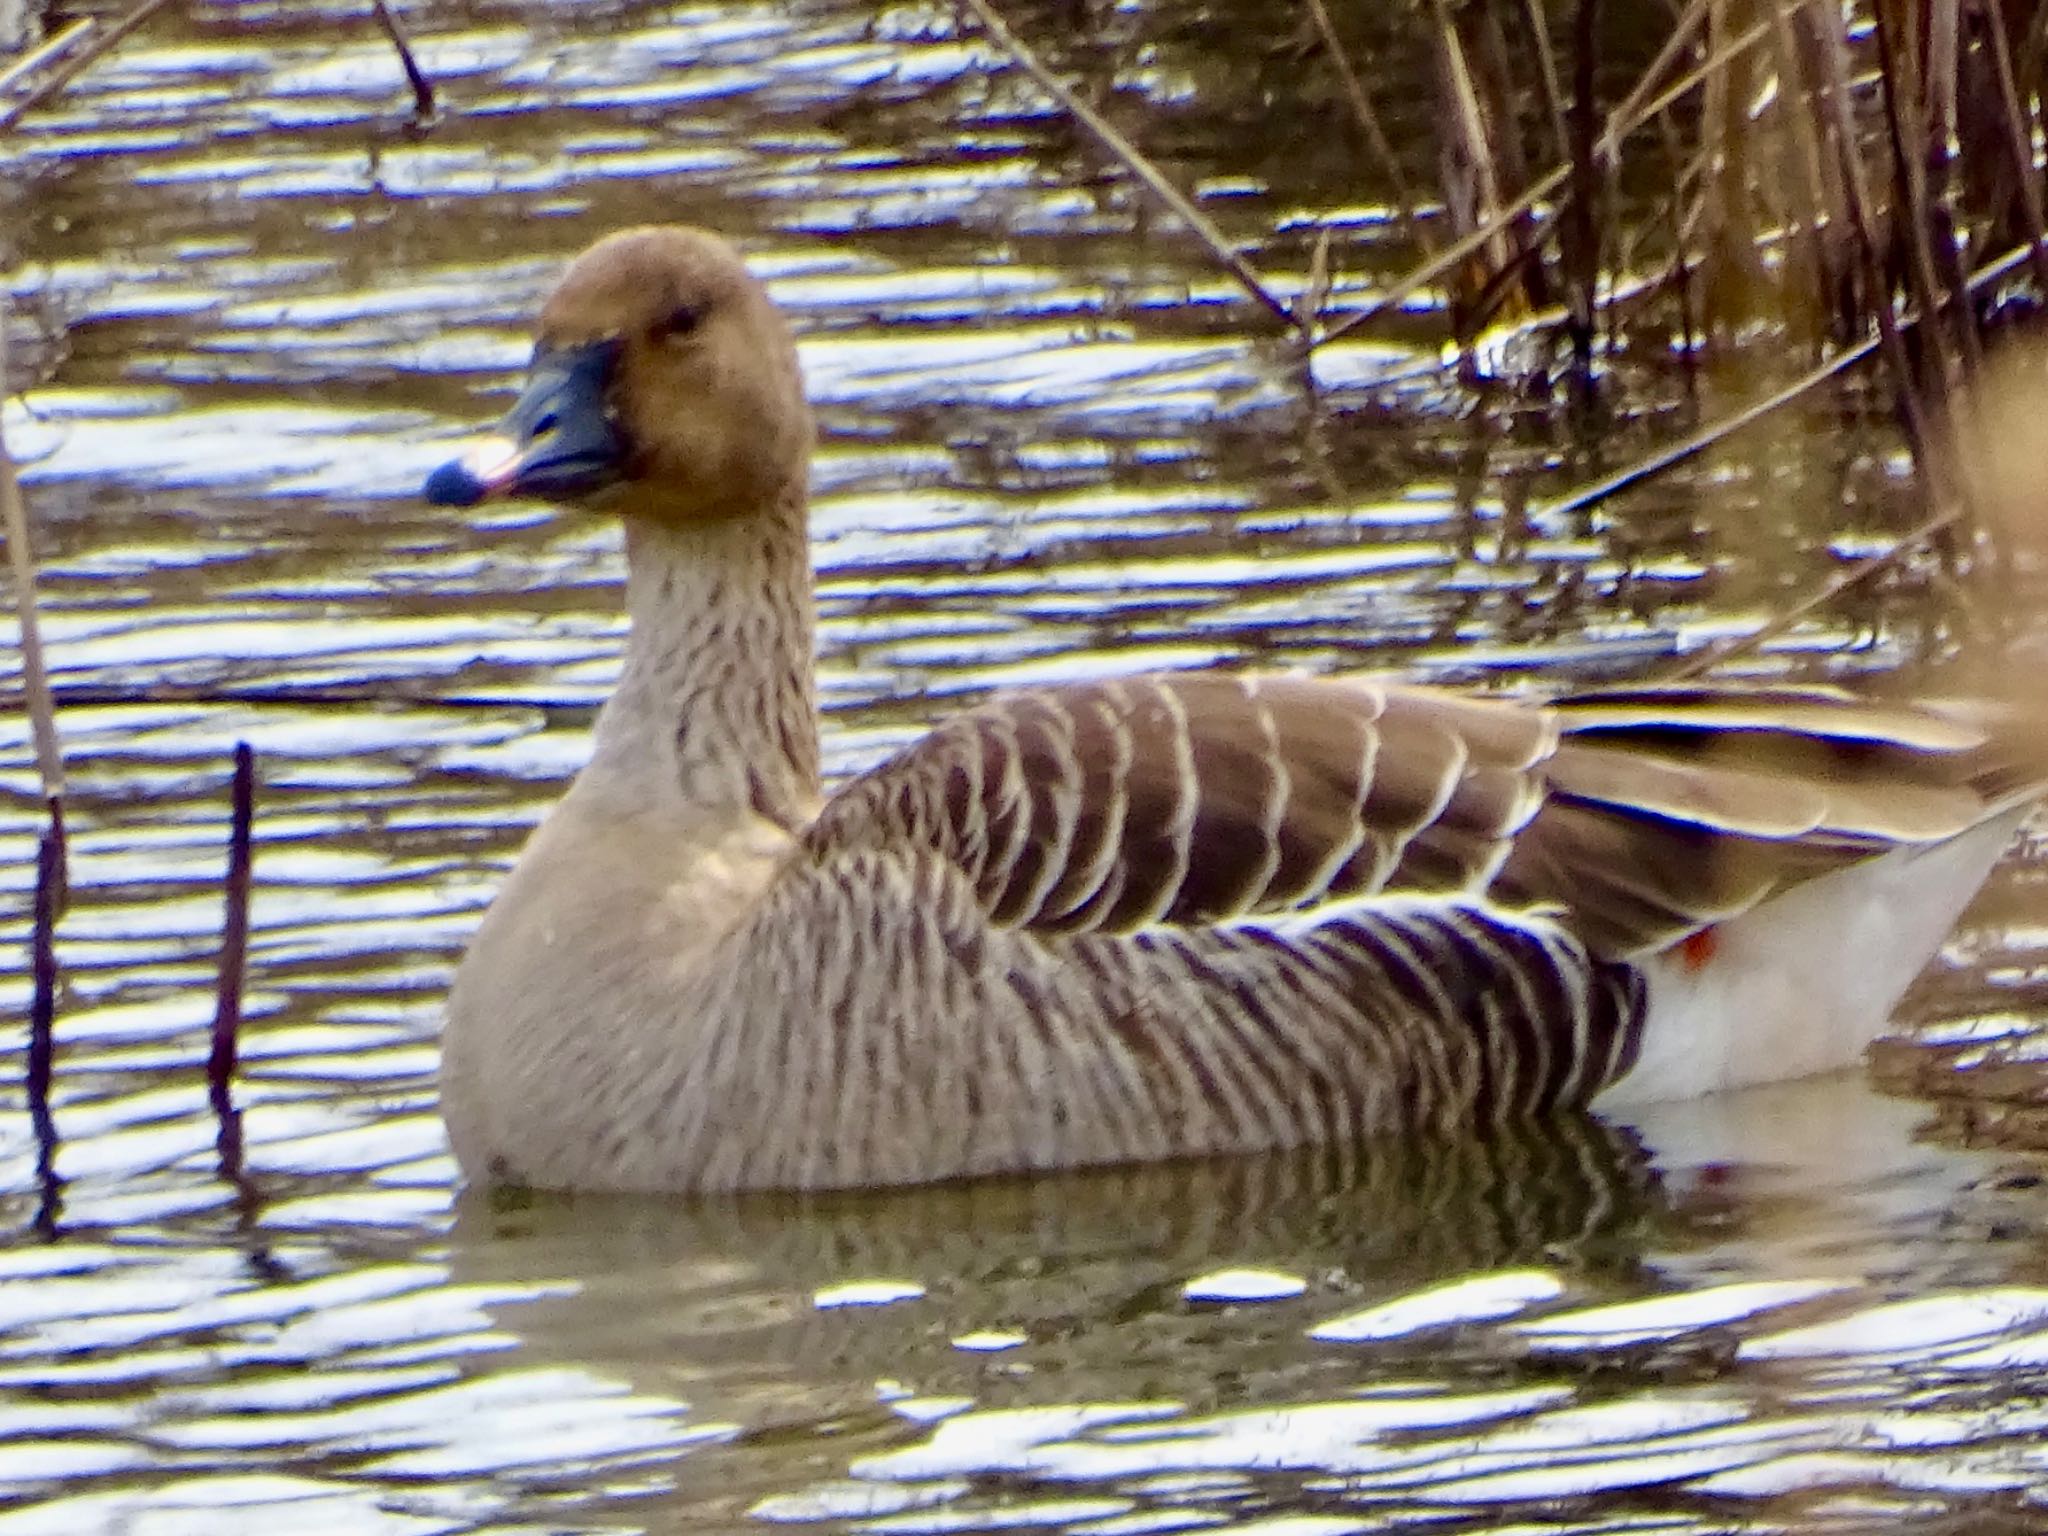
<point x="664" y="384"/>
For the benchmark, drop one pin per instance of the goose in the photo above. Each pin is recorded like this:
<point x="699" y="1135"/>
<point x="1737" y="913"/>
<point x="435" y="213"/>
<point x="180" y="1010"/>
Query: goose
<point x="1176" y="915"/>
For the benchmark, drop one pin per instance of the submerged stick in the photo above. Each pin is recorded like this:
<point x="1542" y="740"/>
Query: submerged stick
<point x="1134" y="161"/>
<point x="424" y="108"/>
<point x="234" y="940"/>
<point x="222" y="1059"/>
<point x="95" y="49"/>
<point x="42" y="1008"/>
<point x="53" y="881"/>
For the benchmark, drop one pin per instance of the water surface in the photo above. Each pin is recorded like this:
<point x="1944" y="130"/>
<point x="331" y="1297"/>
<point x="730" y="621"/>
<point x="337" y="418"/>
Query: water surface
<point x="253" y="306"/>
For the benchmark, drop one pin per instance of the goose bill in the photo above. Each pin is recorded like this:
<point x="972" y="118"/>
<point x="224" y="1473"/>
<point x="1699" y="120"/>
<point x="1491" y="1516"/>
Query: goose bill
<point x="559" y="440"/>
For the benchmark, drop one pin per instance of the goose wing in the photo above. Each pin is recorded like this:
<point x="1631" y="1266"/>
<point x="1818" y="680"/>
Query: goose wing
<point x="1198" y="798"/>
<point x="1637" y="816"/>
<point x="1670" y="809"/>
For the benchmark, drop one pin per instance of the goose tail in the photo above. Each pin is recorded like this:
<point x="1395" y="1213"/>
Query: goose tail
<point x="1802" y="983"/>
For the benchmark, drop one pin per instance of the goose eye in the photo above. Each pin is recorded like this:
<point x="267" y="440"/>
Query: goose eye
<point x="680" y="321"/>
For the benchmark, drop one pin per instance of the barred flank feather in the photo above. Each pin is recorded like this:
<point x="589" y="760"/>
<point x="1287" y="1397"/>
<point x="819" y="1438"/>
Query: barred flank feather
<point x="1138" y="919"/>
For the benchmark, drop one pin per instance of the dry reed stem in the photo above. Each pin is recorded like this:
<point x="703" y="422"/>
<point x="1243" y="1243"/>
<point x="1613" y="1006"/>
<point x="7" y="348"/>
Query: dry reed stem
<point x="2020" y="126"/>
<point x="45" y="52"/>
<point x="1617" y="129"/>
<point x="1550" y="89"/>
<point x="1818" y="186"/>
<point x="1579" y="232"/>
<point x="1919" y="206"/>
<point x="1920" y="432"/>
<point x="424" y="108"/>
<point x="96" y="48"/>
<point x="1716" y="431"/>
<point x="1447" y="258"/>
<point x="1368" y="121"/>
<point x="1841" y="581"/>
<point x="35" y="679"/>
<point x="1134" y="161"/>
<point x="1941" y="69"/>
<point x="1472" y="178"/>
<point x="1629" y="109"/>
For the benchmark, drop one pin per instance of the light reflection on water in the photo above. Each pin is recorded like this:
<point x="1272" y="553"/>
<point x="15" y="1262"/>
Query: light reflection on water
<point x="257" y="310"/>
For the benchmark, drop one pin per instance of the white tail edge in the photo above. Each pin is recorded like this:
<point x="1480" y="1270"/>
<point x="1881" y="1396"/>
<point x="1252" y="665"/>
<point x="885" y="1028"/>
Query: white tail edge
<point x="1803" y="983"/>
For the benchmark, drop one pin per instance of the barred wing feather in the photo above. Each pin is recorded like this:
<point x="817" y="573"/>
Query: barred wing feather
<point x="1188" y="800"/>
<point x="1634" y="816"/>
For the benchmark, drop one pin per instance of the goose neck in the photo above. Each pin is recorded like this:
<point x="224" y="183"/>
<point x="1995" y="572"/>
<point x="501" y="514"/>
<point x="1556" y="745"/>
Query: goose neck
<point x="716" y="694"/>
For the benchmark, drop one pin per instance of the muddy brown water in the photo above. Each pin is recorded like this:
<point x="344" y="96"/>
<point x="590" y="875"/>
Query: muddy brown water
<point x="253" y="307"/>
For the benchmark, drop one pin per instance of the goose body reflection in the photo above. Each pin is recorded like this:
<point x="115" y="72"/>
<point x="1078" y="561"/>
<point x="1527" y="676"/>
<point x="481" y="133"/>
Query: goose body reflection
<point x="1155" y="917"/>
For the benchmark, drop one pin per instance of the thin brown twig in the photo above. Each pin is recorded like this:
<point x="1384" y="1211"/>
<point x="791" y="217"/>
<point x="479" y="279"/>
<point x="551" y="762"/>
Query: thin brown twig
<point x="1617" y="129"/>
<point x="1714" y="432"/>
<point x="424" y="107"/>
<point x="1629" y="109"/>
<point x="35" y="677"/>
<point x="1133" y="160"/>
<point x="95" y="49"/>
<point x="2020" y="132"/>
<point x="1376" y="138"/>
<point x="44" y="52"/>
<point x="1850" y="576"/>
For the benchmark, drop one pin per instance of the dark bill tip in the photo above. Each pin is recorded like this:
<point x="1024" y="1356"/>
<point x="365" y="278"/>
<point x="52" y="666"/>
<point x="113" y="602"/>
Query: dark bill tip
<point x="492" y="464"/>
<point x="452" y="485"/>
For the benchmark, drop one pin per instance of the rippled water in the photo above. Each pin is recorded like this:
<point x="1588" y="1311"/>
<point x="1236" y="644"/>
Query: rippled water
<point x="254" y="305"/>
